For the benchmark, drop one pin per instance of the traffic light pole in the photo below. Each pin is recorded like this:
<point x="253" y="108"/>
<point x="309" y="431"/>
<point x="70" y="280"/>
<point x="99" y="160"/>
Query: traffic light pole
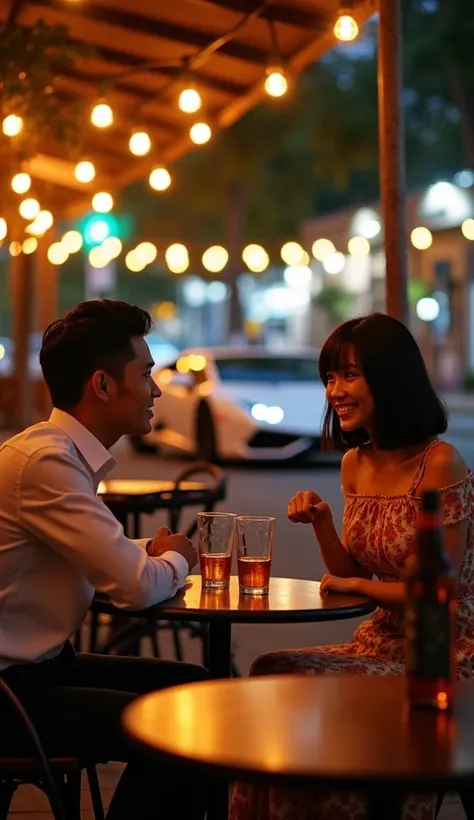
<point x="392" y="156"/>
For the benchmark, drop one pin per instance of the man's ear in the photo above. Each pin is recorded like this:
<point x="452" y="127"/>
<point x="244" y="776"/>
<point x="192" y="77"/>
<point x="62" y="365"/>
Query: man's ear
<point x="100" y="385"/>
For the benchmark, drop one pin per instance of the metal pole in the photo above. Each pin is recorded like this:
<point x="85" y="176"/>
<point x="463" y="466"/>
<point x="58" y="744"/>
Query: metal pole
<point x="47" y="308"/>
<point x="392" y="156"/>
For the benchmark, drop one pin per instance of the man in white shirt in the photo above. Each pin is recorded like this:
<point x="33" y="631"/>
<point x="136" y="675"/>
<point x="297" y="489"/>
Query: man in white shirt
<point x="59" y="543"/>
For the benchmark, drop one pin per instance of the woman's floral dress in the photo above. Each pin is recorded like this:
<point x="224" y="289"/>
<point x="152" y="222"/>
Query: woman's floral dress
<point x="380" y="535"/>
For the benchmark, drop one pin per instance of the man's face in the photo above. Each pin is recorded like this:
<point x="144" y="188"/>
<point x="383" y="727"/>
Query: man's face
<point x="132" y="398"/>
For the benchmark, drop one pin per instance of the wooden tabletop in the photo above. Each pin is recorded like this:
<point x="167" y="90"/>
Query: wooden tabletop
<point x="138" y="486"/>
<point x="288" y="600"/>
<point x="346" y="731"/>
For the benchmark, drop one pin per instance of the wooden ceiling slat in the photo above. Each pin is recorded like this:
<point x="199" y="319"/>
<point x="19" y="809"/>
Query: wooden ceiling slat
<point x="276" y="13"/>
<point x="158" y="28"/>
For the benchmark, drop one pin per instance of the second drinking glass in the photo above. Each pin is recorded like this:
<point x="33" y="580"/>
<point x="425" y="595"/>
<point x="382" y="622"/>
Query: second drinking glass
<point x="254" y="553"/>
<point x="216" y="541"/>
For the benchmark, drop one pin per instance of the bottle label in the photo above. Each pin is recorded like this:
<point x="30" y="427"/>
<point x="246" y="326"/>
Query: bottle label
<point x="428" y="639"/>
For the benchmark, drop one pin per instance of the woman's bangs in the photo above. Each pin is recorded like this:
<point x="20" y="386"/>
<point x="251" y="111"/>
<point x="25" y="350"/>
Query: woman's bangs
<point x="335" y="354"/>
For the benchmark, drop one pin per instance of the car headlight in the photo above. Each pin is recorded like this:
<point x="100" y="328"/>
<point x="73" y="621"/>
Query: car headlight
<point x="261" y="412"/>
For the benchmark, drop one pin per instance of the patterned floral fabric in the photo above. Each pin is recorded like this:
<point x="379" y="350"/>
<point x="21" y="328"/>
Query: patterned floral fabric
<point x="380" y="535"/>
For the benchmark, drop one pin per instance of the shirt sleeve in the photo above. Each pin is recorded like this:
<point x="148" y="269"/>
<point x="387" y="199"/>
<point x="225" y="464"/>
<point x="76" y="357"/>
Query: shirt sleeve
<point x="58" y="505"/>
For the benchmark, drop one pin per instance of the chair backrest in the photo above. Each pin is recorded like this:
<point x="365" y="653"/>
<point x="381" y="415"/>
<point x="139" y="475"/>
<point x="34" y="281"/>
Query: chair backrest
<point x="217" y="489"/>
<point x="19" y="712"/>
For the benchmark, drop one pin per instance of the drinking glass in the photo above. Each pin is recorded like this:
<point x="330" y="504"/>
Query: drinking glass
<point x="254" y="553"/>
<point x="216" y="540"/>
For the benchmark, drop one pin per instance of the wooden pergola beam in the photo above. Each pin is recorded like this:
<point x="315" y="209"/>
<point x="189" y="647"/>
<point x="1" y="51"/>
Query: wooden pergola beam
<point x="299" y="18"/>
<point x="128" y="21"/>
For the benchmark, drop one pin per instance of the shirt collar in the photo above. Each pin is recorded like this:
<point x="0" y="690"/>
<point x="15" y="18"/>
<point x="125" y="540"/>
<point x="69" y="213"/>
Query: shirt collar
<point x="93" y="452"/>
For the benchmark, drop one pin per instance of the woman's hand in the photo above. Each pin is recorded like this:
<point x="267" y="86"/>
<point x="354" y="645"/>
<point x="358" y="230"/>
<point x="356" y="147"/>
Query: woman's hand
<point x="347" y="586"/>
<point x="309" y="508"/>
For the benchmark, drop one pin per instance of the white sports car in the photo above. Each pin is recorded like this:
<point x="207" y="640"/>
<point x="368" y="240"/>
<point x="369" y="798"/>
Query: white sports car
<point x="239" y="403"/>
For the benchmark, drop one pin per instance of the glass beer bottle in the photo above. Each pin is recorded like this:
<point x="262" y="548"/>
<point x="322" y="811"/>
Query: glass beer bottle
<point x="430" y="612"/>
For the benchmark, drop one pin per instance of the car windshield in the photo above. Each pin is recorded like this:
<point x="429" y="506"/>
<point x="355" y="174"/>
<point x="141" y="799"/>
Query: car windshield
<point x="268" y="369"/>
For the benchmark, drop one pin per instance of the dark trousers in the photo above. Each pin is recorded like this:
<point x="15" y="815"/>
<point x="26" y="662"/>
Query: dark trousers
<point x="76" y="702"/>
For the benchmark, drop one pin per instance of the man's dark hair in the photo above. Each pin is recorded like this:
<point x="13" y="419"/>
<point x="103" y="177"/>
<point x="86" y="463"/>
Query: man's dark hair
<point x="408" y="410"/>
<point x="96" y="335"/>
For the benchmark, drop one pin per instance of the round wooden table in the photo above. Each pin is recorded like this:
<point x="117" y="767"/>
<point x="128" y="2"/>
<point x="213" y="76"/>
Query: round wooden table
<point x="329" y="733"/>
<point x="290" y="600"/>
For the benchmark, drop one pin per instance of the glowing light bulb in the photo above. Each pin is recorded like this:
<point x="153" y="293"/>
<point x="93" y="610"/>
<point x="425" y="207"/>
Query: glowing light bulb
<point x="30" y="245"/>
<point x="190" y="100"/>
<point x="72" y="241"/>
<point x="112" y="247"/>
<point x="421" y="238"/>
<point x="21" y="183"/>
<point x="467" y="229"/>
<point x="15" y="249"/>
<point x="102" y="115"/>
<point x="200" y="133"/>
<point x="292" y="253"/>
<point x="346" y="28"/>
<point x="160" y="179"/>
<point x="29" y="208"/>
<point x="146" y="252"/>
<point x="12" y="125"/>
<point x="3" y="229"/>
<point x="215" y="258"/>
<point x="276" y="84"/>
<point x="177" y="258"/>
<point x="256" y="258"/>
<point x="140" y="143"/>
<point x="102" y="202"/>
<point x="84" y="171"/>
<point x="57" y="253"/>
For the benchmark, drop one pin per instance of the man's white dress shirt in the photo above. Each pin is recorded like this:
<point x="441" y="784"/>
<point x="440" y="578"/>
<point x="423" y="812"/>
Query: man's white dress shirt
<point x="59" y="542"/>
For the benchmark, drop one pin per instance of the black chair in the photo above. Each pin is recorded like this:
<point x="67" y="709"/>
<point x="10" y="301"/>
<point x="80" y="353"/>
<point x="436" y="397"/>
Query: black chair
<point x="59" y="778"/>
<point x="125" y="638"/>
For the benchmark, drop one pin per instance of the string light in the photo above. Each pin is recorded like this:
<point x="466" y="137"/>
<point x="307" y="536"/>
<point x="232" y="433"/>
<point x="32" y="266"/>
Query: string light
<point x="346" y="28"/>
<point x="3" y="229"/>
<point x="41" y="223"/>
<point x="21" y="183"/>
<point x="177" y="258"/>
<point x="421" y="238"/>
<point x="30" y="245"/>
<point x="102" y="115"/>
<point x="292" y="253"/>
<point x="190" y="100"/>
<point x="146" y="252"/>
<point x="29" y="208"/>
<point x="72" y="241"/>
<point x="200" y="133"/>
<point x="97" y="257"/>
<point x="99" y="230"/>
<point x="84" y="171"/>
<point x="140" y="143"/>
<point x="322" y="249"/>
<point x="467" y="229"/>
<point x="215" y="258"/>
<point x="112" y="247"/>
<point x="57" y="253"/>
<point x="335" y="263"/>
<point x="358" y="246"/>
<point x="12" y="125"/>
<point x="256" y="258"/>
<point x="160" y="179"/>
<point x="15" y="249"/>
<point x="102" y="202"/>
<point x="276" y="84"/>
<point x="133" y="264"/>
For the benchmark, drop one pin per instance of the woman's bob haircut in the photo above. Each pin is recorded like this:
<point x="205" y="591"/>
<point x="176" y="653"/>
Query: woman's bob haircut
<point x="407" y="409"/>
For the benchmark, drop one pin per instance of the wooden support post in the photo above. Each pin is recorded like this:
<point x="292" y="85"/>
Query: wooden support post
<point x="392" y="156"/>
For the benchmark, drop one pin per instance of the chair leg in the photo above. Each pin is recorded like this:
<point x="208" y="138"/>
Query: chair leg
<point x="7" y="790"/>
<point x="178" y="649"/>
<point x="439" y="803"/>
<point x="467" y="800"/>
<point x="71" y="791"/>
<point x="96" y="797"/>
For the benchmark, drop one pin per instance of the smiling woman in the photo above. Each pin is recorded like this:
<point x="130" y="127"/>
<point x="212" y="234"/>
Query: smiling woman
<point x="383" y="410"/>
